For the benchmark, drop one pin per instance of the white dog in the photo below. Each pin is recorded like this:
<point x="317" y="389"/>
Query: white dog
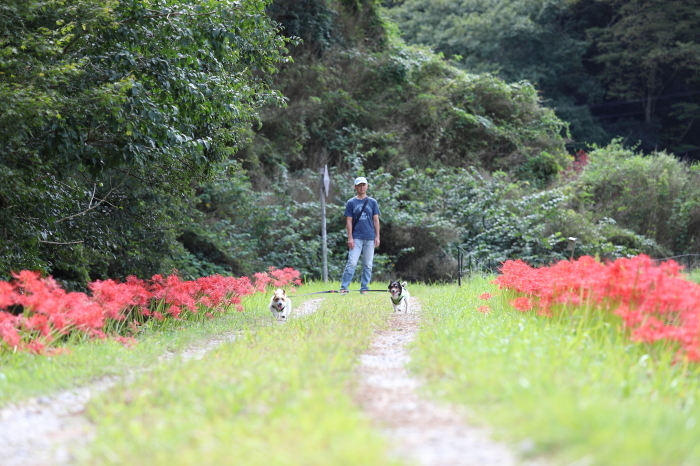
<point x="399" y="296"/>
<point x="280" y="305"/>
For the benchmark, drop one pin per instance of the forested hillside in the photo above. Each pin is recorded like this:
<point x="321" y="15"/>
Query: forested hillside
<point x="142" y="136"/>
<point x="611" y="68"/>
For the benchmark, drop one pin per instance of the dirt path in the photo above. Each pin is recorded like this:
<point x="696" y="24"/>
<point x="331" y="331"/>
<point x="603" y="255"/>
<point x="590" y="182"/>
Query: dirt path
<point x="46" y="430"/>
<point x="420" y="431"/>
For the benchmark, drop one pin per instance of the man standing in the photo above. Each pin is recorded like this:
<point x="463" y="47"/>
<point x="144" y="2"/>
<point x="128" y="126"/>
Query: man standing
<point x="362" y="223"/>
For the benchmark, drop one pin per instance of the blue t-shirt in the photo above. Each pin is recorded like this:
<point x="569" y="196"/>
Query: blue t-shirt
<point x="364" y="229"/>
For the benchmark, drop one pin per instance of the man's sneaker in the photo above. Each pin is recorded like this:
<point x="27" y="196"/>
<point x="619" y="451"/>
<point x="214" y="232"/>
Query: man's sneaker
<point x="363" y="292"/>
<point x="343" y="292"/>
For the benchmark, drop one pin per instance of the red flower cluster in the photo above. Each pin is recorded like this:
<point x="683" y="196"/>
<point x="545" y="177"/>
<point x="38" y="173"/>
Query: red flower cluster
<point x="276" y="277"/>
<point x="48" y="312"/>
<point x="653" y="299"/>
<point x="581" y="159"/>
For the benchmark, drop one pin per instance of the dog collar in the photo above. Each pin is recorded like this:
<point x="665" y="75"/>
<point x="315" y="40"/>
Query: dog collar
<point x="397" y="301"/>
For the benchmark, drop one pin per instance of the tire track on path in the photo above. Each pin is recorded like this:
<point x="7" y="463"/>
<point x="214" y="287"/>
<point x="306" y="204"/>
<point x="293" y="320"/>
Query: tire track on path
<point x="50" y="430"/>
<point x="420" y="431"/>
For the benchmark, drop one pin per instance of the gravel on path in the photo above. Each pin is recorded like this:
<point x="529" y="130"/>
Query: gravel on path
<point x="420" y="431"/>
<point x="47" y="430"/>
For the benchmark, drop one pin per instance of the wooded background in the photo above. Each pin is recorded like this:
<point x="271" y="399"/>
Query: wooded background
<point x="142" y="136"/>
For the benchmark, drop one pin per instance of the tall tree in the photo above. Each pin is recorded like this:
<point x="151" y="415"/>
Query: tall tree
<point x="113" y="107"/>
<point x="648" y="46"/>
<point x="534" y="40"/>
<point x="649" y="54"/>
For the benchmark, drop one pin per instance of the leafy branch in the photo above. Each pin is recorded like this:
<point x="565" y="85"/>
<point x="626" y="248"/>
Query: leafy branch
<point x="157" y="14"/>
<point x="92" y="198"/>
<point x="61" y="242"/>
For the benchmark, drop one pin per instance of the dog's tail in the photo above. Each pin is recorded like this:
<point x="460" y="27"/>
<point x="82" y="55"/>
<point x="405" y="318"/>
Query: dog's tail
<point x="403" y="284"/>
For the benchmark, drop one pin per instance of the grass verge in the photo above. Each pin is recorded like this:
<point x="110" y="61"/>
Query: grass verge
<point x="23" y="375"/>
<point x="277" y="395"/>
<point x="570" y="388"/>
<point x="693" y="275"/>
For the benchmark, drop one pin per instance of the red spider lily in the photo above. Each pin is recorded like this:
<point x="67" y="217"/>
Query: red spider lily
<point x="484" y="309"/>
<point x="117" y="298"/>
<point x="285" y="276"/>
<point x="8" y="330"/>
<point x="49" y="312"/>
<point x="261" y="280"/>
<point x="174" y="293"/>
<point x="485" y="296"/>
<point x="653" y="300"/>
<point x="7" y="295"/>
<point x="522" y="304"/>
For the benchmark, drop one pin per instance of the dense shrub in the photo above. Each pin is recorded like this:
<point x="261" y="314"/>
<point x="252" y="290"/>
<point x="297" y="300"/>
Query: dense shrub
<point x="400" y="107"/>
<point x="111" y="112"/>
<point x="425" y="215"/>
<point x="655" y="195"/>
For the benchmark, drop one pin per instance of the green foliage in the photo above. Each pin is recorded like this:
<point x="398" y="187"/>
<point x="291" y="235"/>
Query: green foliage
<point x="113" y="110"/>
<point x="648" y="44"/>
<point x="608" y="67"/>
<point x="655" y="195"/>
<point x="535" y="40"/>
<point x="694" y="275"/>
<point x="277" y="227"/>
<point x="403" y="107"/>
<point x="426" y="214"/>
<point x="321" y="24"/>
<point x="314" y="21"/>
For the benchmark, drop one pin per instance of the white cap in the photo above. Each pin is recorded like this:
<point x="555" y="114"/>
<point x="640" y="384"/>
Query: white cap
<point x="360" y="179"/>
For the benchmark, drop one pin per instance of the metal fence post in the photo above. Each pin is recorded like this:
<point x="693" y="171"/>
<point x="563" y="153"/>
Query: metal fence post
<point x="459" y="266"/>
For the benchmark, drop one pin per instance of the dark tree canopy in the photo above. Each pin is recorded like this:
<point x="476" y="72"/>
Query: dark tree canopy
<point x="111" y="106"/>
<point x="142" y="136"/>
<point x="611" y="68"/>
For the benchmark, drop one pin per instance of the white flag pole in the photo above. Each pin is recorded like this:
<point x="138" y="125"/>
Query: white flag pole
<point x="325" y="184"/>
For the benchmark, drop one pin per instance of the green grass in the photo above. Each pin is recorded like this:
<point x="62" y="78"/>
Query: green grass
<point x="693" y="275"/>
<point x="575" y="387"/>
<point x="277" y="395"/>
<point x="23" y="375"/>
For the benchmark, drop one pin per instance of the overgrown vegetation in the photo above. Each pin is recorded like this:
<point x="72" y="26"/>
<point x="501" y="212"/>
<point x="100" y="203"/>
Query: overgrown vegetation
<point x="454" y="158"/>
<point x="142" y="160"/>
<point x="284" y="382"/>
<point x="570" y="387"/>
<point x="609" y="67"/>
<point x="110" y="114"/>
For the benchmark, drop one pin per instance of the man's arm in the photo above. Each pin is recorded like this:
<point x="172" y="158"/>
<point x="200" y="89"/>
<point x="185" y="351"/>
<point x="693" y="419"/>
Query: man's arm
<point x="375" y="220"/>
<point x="348" y="227"/>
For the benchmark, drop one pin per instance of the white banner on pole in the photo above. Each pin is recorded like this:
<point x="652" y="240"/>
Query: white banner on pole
<point x="325" y="186"/>
<point x="326" y="180"/>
